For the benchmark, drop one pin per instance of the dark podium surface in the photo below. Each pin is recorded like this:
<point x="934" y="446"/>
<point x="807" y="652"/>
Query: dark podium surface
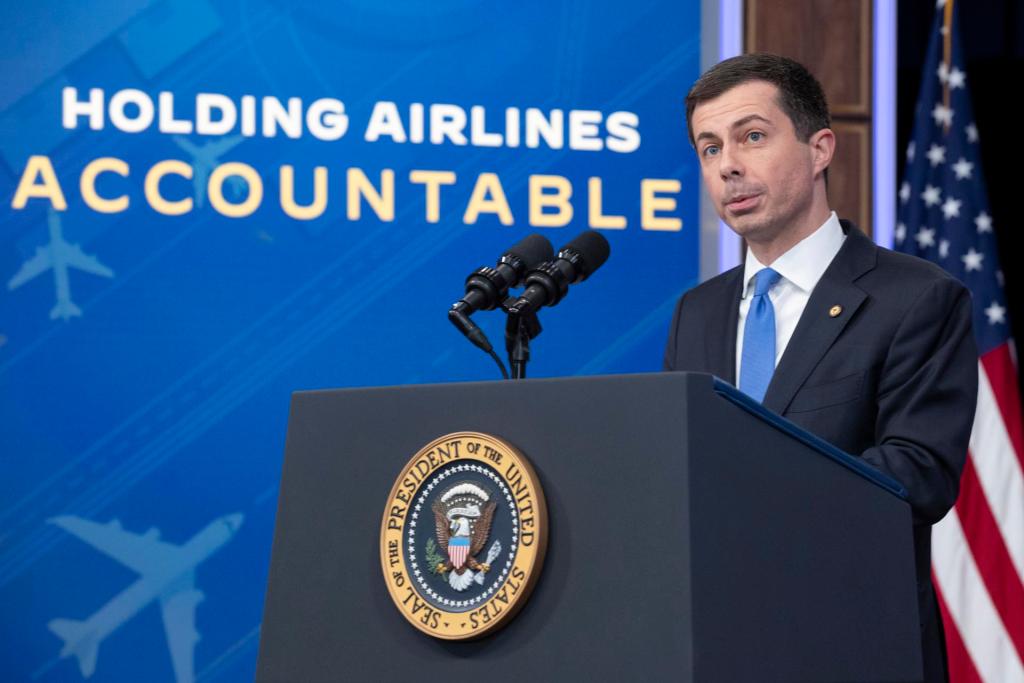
<point x="691" y="539"/>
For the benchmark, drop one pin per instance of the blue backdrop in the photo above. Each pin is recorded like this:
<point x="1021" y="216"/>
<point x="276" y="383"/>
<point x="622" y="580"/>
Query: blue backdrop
<point x="147" y="359"/>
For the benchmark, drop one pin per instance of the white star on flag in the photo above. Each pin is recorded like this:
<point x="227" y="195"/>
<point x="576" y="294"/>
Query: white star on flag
<point x="972" y="259"/>
<point x="901" y="233"/>
<point x="943" y="115"/>
<point x="963" y="169"/>
<point x="905" y="192"/>
<point x="936" y="155"/>
<point x="995" y="313"/>
<point x="951" y="208"/>
<point x="972" y="133"/>
<point x="957" y="78"/>
<point x="943" y="248"/>
<point x="910" y="151"/>
<point x="925" y="237"/>
<point x="984" y="223"/>
<point x="931" y="195"/>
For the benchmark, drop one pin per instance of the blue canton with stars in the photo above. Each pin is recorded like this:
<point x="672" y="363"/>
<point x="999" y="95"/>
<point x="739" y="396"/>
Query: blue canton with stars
<point x="943" y="209"/>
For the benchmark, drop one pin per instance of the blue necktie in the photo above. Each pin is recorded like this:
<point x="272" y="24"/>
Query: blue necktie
<point x="757" y="364"/>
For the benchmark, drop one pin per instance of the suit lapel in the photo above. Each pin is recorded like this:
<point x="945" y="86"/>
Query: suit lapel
<point x="817" y="330"/>
<point x="720" y="331"/>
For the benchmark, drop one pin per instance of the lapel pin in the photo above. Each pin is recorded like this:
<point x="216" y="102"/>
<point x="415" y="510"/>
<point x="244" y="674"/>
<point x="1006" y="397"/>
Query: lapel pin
<point x="835" y="311"/>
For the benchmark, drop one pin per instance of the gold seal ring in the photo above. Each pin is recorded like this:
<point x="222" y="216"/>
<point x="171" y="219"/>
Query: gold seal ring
<point x="464" y="535"/>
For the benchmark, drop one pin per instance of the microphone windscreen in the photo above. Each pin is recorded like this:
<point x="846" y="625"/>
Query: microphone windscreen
<point x="593" y="250"/>
<point x="533" y="250"/>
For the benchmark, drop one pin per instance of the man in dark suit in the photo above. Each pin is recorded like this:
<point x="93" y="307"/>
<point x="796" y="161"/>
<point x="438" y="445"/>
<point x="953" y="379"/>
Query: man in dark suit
<point x="869" y="349"/>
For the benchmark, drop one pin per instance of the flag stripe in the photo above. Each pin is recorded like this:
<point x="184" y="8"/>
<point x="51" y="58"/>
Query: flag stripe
<point x="978" y="549"/>
<point x="999" y="471"/>
<point x="991" y="555"/>
<point x="961" y="668"/>
<point x="970" y="604"/>
<point x="1002" y="376"/>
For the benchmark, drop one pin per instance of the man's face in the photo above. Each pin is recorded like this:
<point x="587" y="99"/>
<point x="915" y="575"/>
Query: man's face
<point x="759" y="175"/>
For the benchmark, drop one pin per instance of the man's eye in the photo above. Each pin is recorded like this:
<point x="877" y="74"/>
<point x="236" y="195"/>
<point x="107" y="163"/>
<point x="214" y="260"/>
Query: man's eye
<point x="754" y="136"/>
<point x="710" y="150"/>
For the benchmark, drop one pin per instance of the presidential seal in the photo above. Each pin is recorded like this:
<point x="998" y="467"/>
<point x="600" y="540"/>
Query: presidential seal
<point x="464" y="535"/>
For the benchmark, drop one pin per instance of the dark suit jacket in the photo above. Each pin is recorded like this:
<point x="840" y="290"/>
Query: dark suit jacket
<point x="893" y="378"/>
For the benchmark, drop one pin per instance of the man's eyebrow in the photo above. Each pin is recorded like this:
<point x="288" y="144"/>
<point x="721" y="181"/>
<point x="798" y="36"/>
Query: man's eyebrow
<point x="735" y="124"/>
<point x="747" y="119"/>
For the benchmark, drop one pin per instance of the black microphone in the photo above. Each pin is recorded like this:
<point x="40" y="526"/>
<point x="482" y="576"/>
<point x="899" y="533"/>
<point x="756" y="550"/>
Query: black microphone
<point x="548" y="283"/>
<point x="487" y="288"/>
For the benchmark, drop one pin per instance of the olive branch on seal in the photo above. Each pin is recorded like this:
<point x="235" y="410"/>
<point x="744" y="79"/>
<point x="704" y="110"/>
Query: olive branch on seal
<point x="434" y="558"/>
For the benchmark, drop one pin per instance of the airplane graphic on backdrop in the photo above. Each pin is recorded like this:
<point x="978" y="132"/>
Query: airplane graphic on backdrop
<point x="58" y="256"/>
<point x="167" y="573"/>
<point x="205" y="159"/>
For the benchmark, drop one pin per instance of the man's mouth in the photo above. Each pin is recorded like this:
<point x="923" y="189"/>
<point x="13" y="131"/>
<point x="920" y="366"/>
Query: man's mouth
<point x="741" y="202"/>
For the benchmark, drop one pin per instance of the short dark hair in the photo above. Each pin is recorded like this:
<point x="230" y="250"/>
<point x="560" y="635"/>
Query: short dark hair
<point x="800" y="94"/>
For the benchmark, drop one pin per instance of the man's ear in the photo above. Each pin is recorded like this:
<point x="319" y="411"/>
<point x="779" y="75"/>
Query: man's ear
<point x="823" y="146"/>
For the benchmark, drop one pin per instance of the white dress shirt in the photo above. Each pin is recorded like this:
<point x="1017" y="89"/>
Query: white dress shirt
<point x="801" y="267"/>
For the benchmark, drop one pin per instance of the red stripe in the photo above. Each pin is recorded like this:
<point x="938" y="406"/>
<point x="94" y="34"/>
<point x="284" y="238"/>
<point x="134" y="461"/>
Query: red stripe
<point x="1002" y="375"/>
<point x="961" y="668"/>
<point x="990" y="554"/>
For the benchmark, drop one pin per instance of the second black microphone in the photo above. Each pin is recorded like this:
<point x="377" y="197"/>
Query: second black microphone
<point x="548" y="283"/>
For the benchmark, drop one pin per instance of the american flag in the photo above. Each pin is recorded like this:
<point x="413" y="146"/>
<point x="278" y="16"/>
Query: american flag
<point x="978" y="548"/>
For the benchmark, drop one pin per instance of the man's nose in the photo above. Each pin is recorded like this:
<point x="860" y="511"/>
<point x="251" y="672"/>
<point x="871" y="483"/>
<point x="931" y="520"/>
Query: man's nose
<point x="729" y="163"/>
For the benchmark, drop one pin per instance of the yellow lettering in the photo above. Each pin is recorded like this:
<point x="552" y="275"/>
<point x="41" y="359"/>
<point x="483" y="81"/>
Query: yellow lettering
<point x="488" y="197"/>
<point x="49" y="188"/>
<point x="310" y="211"/>
<point x="215" y="189"/>
<point x="87" y="184"/>
<point x="597" y="218"/>
<point x="651" y="203"/>
<point x="151" y="187"/>
<point x="539" y="200"/>
<point x="382" y="203"/>
<point x="432" y="180"/>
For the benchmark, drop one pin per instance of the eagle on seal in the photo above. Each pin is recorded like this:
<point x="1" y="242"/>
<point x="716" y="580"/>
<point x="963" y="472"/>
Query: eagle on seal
<point x="462" y="517"/>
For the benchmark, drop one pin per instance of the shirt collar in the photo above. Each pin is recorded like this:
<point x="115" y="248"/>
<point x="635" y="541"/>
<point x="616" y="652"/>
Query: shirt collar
<point x="806" y="261"/>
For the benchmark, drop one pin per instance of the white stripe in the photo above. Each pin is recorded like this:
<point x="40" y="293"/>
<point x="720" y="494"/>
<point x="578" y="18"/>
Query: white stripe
<point x="970" y="605"/>
<point x="999" y="471"/>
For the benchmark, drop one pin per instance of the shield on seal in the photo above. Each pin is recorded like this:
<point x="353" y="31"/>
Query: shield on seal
<point x="458" y="550"/>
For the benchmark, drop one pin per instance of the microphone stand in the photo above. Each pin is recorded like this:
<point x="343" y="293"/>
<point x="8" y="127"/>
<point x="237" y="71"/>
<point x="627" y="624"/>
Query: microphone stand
<point x="520" y="328"/>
